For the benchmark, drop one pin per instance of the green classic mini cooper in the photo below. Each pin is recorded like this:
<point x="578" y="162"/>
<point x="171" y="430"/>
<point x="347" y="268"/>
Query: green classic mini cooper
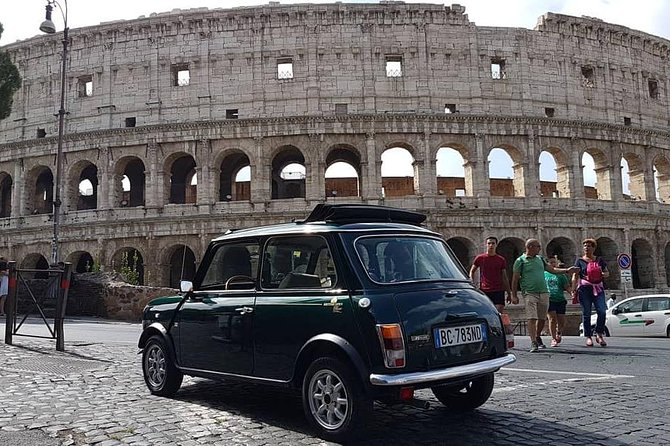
<point x="354" y="304"/>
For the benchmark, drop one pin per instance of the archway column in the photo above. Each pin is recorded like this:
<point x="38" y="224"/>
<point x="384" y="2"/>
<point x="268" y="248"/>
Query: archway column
<point x="18" y="194"/>
<point x="153" y="179"/>
<point x="427" y="171"/>
<point x="481" y="184"/>
<point x="576" y="172"/>
<point x="260" y="174"/>
<point x="314" y="180"/>
<point x="528" y="172"/>
<point x="104" y="183"/>
<point x="205" y="194"/>
<point x="608" y="183"/>
<point x="371" y="174"/>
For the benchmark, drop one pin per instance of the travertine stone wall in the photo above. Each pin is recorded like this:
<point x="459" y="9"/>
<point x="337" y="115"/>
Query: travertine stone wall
<point x="570" y="86"/>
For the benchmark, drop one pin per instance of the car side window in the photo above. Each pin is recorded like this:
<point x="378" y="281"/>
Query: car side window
<point x="298" y="262"/>
<point x="658" y="304"/>
<point x="632" y="306"/>
<point x="233" y="266"/>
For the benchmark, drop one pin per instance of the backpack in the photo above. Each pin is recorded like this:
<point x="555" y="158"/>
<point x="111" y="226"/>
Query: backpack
<point x="594" y="273"/>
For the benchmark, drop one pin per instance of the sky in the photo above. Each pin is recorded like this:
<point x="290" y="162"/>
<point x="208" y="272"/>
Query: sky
<point x="22" y="20"/>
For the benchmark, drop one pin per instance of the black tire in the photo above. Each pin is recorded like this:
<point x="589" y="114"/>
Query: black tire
<point x="466" y="396"/>
<point x="160" y="373"/>
<point x="334" y="400"/>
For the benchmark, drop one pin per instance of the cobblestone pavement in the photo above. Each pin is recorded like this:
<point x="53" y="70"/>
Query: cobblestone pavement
<point x="95" y="394"/>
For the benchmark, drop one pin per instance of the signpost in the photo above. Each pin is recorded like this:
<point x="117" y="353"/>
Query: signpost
<point x="625" y="263"/>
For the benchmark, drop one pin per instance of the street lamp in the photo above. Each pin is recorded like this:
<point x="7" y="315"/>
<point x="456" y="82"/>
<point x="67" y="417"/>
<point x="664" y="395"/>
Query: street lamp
<point x="48" y="27"/>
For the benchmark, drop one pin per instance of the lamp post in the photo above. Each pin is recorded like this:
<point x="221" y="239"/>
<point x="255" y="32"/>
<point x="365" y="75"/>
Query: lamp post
<point x="48" y="27"/>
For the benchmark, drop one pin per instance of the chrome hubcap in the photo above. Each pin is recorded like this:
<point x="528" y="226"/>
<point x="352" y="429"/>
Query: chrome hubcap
<point x="328" y="399"/>
<point x="155" y="366"/>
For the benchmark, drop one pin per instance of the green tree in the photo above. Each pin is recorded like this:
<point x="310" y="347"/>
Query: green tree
<point x="10" y="81"/>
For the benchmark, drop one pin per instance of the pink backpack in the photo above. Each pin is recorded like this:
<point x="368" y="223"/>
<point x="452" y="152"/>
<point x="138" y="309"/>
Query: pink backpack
<point x="594" y="273"/>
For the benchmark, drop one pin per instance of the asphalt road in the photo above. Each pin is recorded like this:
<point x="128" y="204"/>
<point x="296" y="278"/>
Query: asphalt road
<point x="94" y="394"/>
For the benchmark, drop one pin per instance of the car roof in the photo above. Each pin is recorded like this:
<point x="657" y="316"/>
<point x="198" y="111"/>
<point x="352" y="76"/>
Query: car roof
<point x="298" y="228"/>
<point x="646" y="295"/>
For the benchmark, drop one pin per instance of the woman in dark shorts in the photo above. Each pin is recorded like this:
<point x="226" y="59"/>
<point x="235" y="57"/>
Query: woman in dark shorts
<point x="557" y="284"/>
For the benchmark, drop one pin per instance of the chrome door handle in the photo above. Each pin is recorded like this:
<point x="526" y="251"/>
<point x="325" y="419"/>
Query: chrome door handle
<point x="244" y="310"/>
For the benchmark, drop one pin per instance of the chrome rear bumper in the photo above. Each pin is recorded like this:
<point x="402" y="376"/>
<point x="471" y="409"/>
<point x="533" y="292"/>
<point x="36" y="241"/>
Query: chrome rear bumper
<point x="408" y="379"/>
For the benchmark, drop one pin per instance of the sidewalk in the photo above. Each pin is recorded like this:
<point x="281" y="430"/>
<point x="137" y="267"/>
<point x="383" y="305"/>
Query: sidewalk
<point x="81" y="329"/>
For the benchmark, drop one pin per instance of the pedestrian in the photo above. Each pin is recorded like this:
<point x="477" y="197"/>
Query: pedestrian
<point x="493" y="279"/>
<point x="557" y="284"/>
<point x="528" y="276"/>
<point x="4" y="284"/>
<point x="611" y="300"/>
<point x="587" y="283"/>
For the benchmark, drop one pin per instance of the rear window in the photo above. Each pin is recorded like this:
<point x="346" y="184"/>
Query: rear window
<point x="402" y="259"/>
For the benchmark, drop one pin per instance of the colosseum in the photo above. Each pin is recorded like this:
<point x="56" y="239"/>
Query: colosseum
<point x="184" y="124"/>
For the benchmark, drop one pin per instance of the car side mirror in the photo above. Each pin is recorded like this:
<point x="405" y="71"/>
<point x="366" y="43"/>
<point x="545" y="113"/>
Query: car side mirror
<point x="616" y="310"/>
<point x="185" y="286"/>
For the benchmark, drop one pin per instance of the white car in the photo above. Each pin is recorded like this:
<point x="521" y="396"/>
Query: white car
<point x="637" y="316"/>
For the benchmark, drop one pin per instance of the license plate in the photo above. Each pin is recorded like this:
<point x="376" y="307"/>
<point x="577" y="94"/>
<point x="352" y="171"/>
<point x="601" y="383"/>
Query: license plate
<point x="465" y="334"/>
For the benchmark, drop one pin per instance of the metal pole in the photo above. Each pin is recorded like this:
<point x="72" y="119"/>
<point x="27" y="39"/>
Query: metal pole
<point x="59" y="152"/>
<point x="10" y="305"/>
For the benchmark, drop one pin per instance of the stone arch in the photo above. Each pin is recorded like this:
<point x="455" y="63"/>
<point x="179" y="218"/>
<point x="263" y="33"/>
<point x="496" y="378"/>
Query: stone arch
<point x="601" y="173"/>
<point x="181" y="183"/>
<point x="642" y="266"/>
<point x="464" y="249"/>
<point x="39" y="190"/>
<point x="132" y="168"/>
<point x="129" y="259"/>
<point x="231" y="186"/>
<point x="337" y="181"/>
<point x="288" y="183"/>
<point x="79" y="197"/>
<point x="609" y="250"/>
<point x="181" y="264"/>
<point x="634" y="177"/>
<point x="661" y="167"/>
<point x="399" y="171"/>
<point x="5" y="195"/>
<point x="35" y="261"/>
<point x="500" y="186"/>
<point x="564" y="248"/>
<point x="82" y="261"/>
<point x="511" y="248"/>
<point x="451" y="171"/>
<point x="667" y="264"/>
<point x="559" y="184"/>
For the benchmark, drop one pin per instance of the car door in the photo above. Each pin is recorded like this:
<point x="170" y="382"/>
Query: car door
<point x="627" y="319"/>
<point x="656" y="315"/>
<point x="215" y="324"/>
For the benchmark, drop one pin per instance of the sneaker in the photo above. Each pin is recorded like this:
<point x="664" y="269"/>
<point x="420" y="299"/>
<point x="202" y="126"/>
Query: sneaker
<point x="533" y="347"/>
<point x="559" y="338"/>
<point x="554" y="343"/>
<point x="539" y="343"/>
<point x="589" y="342"/>
<point x="601" y="340"/>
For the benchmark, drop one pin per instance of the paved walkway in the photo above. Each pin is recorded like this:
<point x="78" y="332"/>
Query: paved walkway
<point x="94" y="394"/>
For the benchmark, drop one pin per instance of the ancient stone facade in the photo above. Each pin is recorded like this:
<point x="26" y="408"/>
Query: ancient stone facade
<point x="184" y="124"/>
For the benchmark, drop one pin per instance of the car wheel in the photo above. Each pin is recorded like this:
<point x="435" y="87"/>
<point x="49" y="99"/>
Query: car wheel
<point x="465" y="396"/>
<point x="333" y="399"/>
<point x="160" y="373"/>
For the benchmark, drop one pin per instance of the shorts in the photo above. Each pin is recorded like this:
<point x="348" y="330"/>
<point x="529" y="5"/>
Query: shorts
<point x="558" y="307"/>
<point x="537" y="305"/>
<point x="497" y="297"/>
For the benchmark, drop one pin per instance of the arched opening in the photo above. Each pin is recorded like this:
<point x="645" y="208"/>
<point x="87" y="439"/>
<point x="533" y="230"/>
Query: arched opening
<point x="608" y="250"/>
<point x="548" y="176"/>
<point x="642" y="264"/>
<point x="505" y="176"/>
<point x="632" y="177"/>
<point x="511" y="248"/>
<point x="464" y="250"/>
<point x="590" y="177"/>
<point x="662" y="180"/>
<point x="235" y="178"/>
<point x="182" y="265"/>
<point x="564" y="249"/>
<point x="450" y="171"/>
<point x="129" y="263"/>
<point x="35" y="261"/>
<point x="288" y="174"/>
<point x="343" y="173"/>
<point x="5" y="195"/>
<point x="40" y="182"/>
<point x="397" y="173"/>
<point x="129" y="189"/>
<point x="183" y="181"/>
<point x="82" y="262"/>
<point x="87" y="188"/>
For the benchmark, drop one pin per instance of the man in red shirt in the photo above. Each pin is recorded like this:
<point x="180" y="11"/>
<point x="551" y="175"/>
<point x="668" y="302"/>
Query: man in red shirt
<point x="493" y="279"/>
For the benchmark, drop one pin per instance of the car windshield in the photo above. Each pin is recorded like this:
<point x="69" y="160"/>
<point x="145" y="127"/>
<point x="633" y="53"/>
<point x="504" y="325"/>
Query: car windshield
<point x="407" y="258"/>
